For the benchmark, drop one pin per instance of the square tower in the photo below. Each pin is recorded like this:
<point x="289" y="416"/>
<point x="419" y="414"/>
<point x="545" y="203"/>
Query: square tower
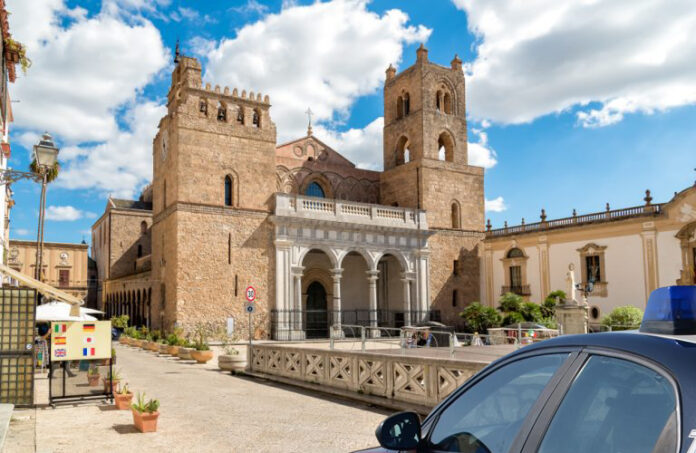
<point x="425" y="145"/>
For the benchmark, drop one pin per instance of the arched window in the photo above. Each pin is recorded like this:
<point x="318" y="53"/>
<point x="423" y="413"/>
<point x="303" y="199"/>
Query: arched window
<point x="140" y="250"/>
<point x="256" y="121"/>
<point x="143" y="227"/>
<point x="240" y="115"/>
<point x="445" y="146"/>
<point x="399" y="108"/>
<point x="221" y="112"/>
<point x="438" y="101"/>
<point x="203" y="106"/>
<point x="455" y="215"/>
<point x="407" y="104"/>
<point x="314" y="190"/>
<point x="447" y="101"/>
<point x="515" y="253"/>
<point x="403" y="154"/>
<point x="229" y="199"/>
<point x="455" y="297"/>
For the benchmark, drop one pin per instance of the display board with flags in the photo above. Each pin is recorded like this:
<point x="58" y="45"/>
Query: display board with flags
<point x="76" y="340"/>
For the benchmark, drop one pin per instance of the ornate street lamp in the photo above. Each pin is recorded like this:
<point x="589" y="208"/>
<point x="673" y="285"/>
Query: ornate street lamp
<point x="589" y="286"/>
<point x="46" y="156"/>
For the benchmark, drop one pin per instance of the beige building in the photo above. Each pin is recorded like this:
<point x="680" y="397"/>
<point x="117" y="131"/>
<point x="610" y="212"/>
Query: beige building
<point x="64" y="266"/>
<point x="626" y="252"/>
<point x="320" y="240"/>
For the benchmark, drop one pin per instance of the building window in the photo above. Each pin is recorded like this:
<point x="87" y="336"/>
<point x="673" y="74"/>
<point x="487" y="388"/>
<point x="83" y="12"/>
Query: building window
<point x="63" y="278"/>
<point x="143" y="227"/>
<point x="515" y="253"/>
<point x="240" y="115"/>
<point x="400" y="108"/>
<point x="456" y="224"/>
<point x="229" y="199"/>
<point x="515" y="276"/>
<point x="256" y="121"/>
<point x="455" y="297"/>
<point x="445" y="146"/>
<point x="515" y="265"/>
<point x="447" y="101"/>
<point x="315" y="190"/>
<point x="438" y="101"/>
<point x="140" y="251"/>
<point x="222" y="112"/>
<point x="203" y="106"/>
<point x="407" y="104"/>
<point x="403" y="154"/>
<point x="593" y="269"/>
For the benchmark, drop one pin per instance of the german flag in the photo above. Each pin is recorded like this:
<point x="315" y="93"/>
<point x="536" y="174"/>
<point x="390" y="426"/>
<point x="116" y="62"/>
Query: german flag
<point x="88" y="327"/>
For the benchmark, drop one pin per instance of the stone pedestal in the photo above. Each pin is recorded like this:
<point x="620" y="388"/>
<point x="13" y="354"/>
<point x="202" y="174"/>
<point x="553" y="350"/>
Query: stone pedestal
<point x="572" y="318"/>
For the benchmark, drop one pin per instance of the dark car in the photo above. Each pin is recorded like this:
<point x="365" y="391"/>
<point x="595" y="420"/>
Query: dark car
<point x="624" y="392"/>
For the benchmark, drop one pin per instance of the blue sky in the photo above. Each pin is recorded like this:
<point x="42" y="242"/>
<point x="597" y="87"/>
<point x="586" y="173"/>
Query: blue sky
<point x="570" y="104"/>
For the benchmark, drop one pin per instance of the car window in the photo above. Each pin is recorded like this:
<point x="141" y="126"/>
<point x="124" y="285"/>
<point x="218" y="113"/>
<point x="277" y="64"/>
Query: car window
<point x="487" y="416"/>
<point x="614" y="406"/>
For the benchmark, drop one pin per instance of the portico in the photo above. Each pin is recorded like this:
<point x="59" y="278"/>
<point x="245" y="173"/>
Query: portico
<point x="340" y="262"/>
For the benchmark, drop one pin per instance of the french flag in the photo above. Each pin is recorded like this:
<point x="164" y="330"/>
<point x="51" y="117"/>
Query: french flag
<point x="86" y="352"/>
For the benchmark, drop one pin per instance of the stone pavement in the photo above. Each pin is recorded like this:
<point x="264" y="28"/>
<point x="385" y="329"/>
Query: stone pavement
<point x="202" y="409"/>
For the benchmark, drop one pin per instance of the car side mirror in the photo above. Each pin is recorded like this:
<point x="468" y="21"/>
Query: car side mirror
<point x="401" y="431"/>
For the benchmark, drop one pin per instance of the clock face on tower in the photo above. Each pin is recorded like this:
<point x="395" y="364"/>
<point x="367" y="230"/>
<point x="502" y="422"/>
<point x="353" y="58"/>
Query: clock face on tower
<point x="164" y="147"/>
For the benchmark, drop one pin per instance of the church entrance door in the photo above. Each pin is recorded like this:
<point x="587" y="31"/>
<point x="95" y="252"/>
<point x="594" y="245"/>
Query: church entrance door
<point x="317" y="325"/>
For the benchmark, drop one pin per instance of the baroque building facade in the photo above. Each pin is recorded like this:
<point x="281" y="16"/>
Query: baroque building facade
<point x="322" y="241"/>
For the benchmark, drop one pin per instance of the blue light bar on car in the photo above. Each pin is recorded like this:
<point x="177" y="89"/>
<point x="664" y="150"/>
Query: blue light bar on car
<point x="671" y="310"/>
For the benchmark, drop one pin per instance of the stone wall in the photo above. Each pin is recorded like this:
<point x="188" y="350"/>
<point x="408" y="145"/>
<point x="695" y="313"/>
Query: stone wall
<point x="125" y="230"/>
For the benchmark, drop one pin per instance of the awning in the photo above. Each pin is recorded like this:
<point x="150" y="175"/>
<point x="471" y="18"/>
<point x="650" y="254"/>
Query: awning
<point x="43" y="288"/>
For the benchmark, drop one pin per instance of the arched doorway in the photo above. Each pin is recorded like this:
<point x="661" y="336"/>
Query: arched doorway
<point x="317" y="317"/>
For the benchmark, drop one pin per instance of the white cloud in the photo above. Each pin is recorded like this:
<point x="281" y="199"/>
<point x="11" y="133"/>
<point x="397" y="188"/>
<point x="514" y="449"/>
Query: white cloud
<point x="544" y="56"/>
<point x="251" y="6"/>
<point x="495" y="205"/>
<point x="66" y="213"/>
<point x="21" y="231"/>
<point x="362" y="146"/>
<point x="480" y="152"/>
<point x="86" y="72"/>
<point x="326" y="66"/>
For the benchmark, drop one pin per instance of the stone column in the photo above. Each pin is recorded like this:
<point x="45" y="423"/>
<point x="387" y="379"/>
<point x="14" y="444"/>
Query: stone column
<point x="372" y="281"/>
<point x="336" y="276"/>
<point x="296" y="315"/>
<point x="407" y="299"/>
<point x="284" y="287"/>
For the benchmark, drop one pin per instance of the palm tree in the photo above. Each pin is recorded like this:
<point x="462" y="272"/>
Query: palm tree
<point x="52" y="173"/>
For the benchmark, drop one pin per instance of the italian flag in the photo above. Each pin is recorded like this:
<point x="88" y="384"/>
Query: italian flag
<point x="59" y="328"/>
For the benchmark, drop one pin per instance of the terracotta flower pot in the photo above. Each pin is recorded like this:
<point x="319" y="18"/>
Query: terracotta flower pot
<point x="145" y="422"/>
<point x="93" y="379"/>
<point x="123" y="340"/>
<point x="123" y="402"/>
<point x="173" y="350"/>
<point x="236" y="362"/>
<point x="144" y="344"/>
<point x="185" y="353"/>
<point x="152" y="346"/>
<point x="163" y="348"/>
<point x="201" y="356"/>
<point x="114" y="385"/>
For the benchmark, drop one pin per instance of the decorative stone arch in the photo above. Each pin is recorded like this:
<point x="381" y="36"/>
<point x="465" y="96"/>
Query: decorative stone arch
<point x="403" y="261"/>
<point x="402" y="153"/>
<point x="241" y="115"/>
<point x="333" y="257"/>
<point x="399" y="107"/>
<point x="456" y="214"/>
<point x="369" y="259"/>
<point x="323" y="276"/>
<point x="230" y="182"/>
<point x="221" y="113"/>
<point x="320" y="179"/>
<point x="446" y="142"/>
<point x="687" y="243"/>
<point x="445" y="97"/>
<point x="256" y="118"/>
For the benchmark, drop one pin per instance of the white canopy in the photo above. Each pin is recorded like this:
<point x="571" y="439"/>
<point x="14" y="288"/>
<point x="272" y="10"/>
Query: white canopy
<point x="60" y="311"/>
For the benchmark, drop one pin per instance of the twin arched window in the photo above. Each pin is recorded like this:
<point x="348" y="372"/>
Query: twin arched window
<point x="315" y="190"/>
<point x="443" y="102"/>
<point x="403" y="106"/>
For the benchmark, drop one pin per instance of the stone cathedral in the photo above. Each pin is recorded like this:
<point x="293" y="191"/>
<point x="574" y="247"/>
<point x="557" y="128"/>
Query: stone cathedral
<point x="321" y="241"/>
<point x="324" y="243"/>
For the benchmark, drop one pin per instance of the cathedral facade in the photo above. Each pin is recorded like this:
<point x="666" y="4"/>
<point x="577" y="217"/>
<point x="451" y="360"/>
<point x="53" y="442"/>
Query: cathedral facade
<point x="321" y="241"/>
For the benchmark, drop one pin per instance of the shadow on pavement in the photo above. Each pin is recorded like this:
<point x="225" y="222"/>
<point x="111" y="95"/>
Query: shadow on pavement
<point x="126" y="429"/>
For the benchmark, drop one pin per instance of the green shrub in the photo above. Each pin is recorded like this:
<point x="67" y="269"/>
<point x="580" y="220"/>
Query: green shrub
<point x="531" y="312"/>
<point x="120" y="322"/>
<point x="548" y="307"/>
<point x="479" y="318"/>
<point x="623" y="318"/>
<point x="512" y="318"/>
<point x="143" y="406"/>
<point x="510" y="302"/>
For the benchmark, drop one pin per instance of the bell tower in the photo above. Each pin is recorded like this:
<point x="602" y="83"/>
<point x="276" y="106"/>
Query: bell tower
<point x="425" y="145"/>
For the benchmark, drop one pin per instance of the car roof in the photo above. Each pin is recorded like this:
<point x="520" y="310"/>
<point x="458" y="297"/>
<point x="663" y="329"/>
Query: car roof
<point x="668" y="350"/>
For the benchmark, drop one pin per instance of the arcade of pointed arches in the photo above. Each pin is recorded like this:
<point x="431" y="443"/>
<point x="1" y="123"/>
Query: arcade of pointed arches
<point x="136" y="303"/>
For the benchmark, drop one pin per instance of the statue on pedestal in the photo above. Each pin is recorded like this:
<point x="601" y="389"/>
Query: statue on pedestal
<point x="570" y="285"/>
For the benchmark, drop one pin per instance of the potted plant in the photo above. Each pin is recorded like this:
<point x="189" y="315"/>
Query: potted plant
<point x="123" y="398"/>
<point x="153" y="344"/>
<point x="15" y="52"/>
<point x="185" y="350"/>
<point x="163" y="346"/>
<point x="201" y="351"/>
<point x="145" y="414"/>
<point x="120" y="323"/>
<point x="174" y="341"/>
<point x="231" y="360"/>
<point x="93" y="376"/>
<point x="111" y="380"/>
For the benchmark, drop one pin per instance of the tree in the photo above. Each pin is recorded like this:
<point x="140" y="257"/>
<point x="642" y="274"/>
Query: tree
<point x="531" y="312"/>
<point x="623" y="318"/>
<point x="548" y="307"/>
<point x="510" y="302"/>
<point x="52" y="172"/>
<point x="479" y="318"/>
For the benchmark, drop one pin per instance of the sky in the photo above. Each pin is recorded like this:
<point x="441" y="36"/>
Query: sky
<point x="571" y="104"/>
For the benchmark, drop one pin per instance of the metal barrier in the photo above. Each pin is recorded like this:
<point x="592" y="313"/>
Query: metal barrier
<point x="522" y="335"/>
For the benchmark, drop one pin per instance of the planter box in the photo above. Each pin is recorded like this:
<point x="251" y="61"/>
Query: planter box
<point x="185" y="353"/>
<point x="123" y="402"/>
<point x="145" y="422"/>
<point x="232" y="362"/>
<point x="201" y="356"/>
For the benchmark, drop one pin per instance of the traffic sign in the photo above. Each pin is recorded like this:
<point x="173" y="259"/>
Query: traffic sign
<point x="250" y="294"/>
<point x="249" y="307"/>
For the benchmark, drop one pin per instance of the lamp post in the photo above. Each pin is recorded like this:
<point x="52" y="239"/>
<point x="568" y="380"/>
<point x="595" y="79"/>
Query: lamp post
<point x="589" y="286"/>
<point x="45" y="155"/>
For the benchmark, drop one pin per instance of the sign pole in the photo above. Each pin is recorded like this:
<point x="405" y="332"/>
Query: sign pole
<point x="250" y="333"/>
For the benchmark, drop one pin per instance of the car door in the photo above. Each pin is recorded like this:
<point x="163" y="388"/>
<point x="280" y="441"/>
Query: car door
<point x="494" y="413"/>
<point x="615" y="403"/>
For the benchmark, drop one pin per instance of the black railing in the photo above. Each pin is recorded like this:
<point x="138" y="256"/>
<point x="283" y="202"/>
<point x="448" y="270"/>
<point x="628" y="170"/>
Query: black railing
<point x="300" y="324"/>
<point x="520" y="290"/>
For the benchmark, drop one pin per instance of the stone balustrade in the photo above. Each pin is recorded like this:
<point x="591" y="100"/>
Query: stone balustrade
<point x="291" y="205"/>
<point x="423" y="381"/>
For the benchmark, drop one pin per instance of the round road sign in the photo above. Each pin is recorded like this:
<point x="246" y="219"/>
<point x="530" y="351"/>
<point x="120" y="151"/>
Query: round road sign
<point x="250" y="294"/>
<point x="249" y="307"/>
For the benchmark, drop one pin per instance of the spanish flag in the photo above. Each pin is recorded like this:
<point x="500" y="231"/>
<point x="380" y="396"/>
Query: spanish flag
<point x="59" y="340"/>
<point x="88" y="327"/>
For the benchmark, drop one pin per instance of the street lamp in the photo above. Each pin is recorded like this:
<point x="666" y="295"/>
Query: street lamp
<point x="589" y="286"/>
<point x="46" y="156"/>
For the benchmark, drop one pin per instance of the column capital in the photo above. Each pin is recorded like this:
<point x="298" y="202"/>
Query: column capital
<point x="372" y="275"/>
<point x="336" y="273"/>
<point x="297" y="271"/>
<point x="408" y="276"/>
